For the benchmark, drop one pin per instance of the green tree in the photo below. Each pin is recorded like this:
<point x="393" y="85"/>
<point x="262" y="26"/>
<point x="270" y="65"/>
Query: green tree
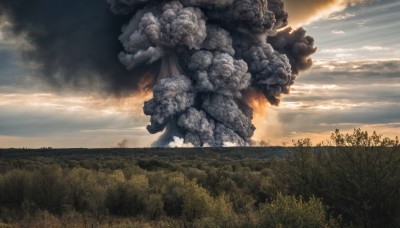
<point x="14" y="188"/>
<point x="48" y="190"/>
<point x="287" y="211"/>
<point x="358" y="178"/>
<point x="197" y="203"/>
<point x="87" y="192"/>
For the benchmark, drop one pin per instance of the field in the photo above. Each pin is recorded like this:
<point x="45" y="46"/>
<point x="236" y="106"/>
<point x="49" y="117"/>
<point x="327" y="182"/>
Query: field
<point x="353" y="183"/>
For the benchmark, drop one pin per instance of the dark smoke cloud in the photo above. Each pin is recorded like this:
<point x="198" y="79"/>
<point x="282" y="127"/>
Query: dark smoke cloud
<point x="74" y="43"/>
<point x="296" y="46"/>
<point x="281" y="16"/>
<point x="271" y="71"/>
<point x="220" y="72"/>
<point x="204" y="55"/>
<point x="127" y="6"/>
<point x="207" y="3"/>
<point x="199" y="129"/>
<point x="225" y="110"/>
<point x="250" y="15"/>
<point x="171" y="96"/>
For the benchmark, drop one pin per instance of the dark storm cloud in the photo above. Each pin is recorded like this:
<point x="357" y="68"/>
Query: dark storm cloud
<point x="14" y="121"/>
<point x="11" y="72"/>
<point x="74" y="42"/>
<point x="356" y="72"/>
<point x="359" y="94"/>
<point x="349" y="94"/>
<point x="349" y="82"/>
<point x="324" y="120"/>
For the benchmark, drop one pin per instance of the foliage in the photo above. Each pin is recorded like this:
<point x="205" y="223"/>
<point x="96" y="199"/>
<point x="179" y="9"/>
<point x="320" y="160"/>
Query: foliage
<point x="287" y="211"/>
<point x="353" y="182"/>
<point x="358" y="178"/>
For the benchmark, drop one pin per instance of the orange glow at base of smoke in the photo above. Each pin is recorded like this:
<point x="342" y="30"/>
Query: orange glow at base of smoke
<point x="146" y="84"/>
<point x="145" y="92"/>
<point x="260" y="107"/>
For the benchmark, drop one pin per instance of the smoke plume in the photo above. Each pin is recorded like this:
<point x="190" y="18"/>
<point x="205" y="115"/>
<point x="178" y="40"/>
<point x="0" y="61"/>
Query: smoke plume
<point x="211" y="52"/>
<point x="201" y="57"/>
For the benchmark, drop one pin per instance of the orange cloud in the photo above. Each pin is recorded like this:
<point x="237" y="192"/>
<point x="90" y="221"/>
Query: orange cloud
<point x="132" y="104"/>
<point x="305" y="11"/>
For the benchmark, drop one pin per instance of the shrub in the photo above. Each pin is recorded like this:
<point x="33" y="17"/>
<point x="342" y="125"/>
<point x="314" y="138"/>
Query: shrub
<point x="197" y="203"/>
<point x="14" y="188"/>
<point x="48" y="191"/>
<point x="358" y="178"/>
<point x="173" y="195"/>
<point x="287" y="211"/>
<point x="154" y="206"/>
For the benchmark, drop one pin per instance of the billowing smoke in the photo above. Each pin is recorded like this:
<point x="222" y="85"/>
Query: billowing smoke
<point x="211" y="53"/>
<point x="73" y="44"/>
<point x="201" y="58"/>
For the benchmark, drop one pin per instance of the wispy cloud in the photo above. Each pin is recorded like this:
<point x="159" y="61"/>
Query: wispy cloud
<point x="350" y="50"/>
<point x="360" y="53"/>
<point x="338" y="32"/>
<point x="374" y="48"/>
<point x="340" y="16"/>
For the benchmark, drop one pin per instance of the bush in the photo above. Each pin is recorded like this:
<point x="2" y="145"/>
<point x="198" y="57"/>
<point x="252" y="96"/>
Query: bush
<point x="197" y="202"/>
<point x="14" y="188"/>
<point x="287" y="211"/>
<point x="48" y="190"/>
<point x="358" y="179"/>
<point x="173" y="195"/>
<point x="154" y="206"/>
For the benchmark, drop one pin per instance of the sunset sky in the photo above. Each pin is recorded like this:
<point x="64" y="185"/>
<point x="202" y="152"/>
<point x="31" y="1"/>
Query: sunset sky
<point x="355" y="82"/>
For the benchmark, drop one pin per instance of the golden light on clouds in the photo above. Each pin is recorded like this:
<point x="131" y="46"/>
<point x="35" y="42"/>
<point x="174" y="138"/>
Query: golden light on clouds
<point x="132" y="104"/>
<point x="87" y="121"/>
<point x="305" y="11"/>
<point x="102" y="105"/>
<point x="265" y="117"/>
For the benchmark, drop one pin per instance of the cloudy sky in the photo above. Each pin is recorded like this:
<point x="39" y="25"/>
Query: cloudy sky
<point x="355" y="82"/>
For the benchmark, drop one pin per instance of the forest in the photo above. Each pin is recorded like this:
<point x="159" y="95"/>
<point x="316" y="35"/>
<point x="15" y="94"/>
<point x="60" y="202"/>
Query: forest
<point x="352" y="181"/>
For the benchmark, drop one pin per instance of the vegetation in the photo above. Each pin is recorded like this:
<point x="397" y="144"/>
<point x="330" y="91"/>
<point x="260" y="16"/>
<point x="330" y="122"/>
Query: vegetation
<point x="355" y="182"/>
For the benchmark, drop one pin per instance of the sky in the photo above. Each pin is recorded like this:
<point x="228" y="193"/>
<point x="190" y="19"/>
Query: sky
<point x="354" y="83"/>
